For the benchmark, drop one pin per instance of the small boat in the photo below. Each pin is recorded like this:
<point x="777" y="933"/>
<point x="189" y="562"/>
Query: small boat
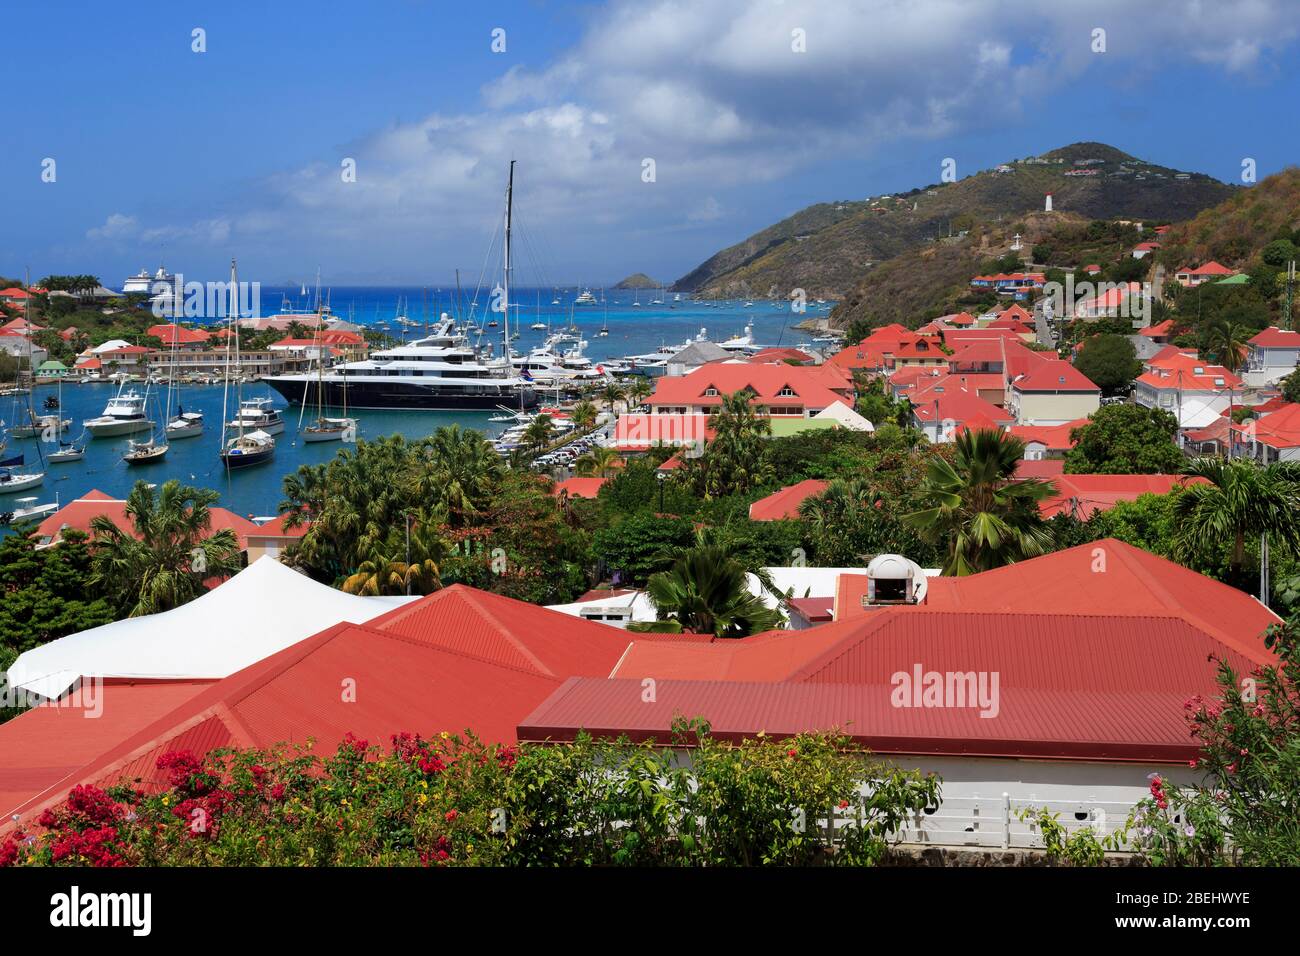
<point x="258" y="414"/>
<point x="493" y="324"/>
<point x="28" y="510"/>
<point x="185" y="425"/>
<point x="44" y="425"/>
<point x="538" y="326"/>
<point x="123" y="415"/>
<point x="243" y="451"/>
<point x="329" y="429"/>
<point x="586" y="298"/>
<point x="11" y="482"/>
<point x="66" y="453"/>
<point x="144" y="452"/>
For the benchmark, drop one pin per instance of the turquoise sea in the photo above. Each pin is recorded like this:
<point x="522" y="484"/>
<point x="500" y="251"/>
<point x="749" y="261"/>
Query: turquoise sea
<point x="257" y="491"/>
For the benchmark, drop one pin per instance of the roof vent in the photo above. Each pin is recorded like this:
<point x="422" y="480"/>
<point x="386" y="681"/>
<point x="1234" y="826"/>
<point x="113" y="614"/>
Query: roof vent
<point x="894" y="579"/>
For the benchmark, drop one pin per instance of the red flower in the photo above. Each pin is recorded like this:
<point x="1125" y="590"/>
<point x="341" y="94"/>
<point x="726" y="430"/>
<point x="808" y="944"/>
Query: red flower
<point x="450" y="815"/>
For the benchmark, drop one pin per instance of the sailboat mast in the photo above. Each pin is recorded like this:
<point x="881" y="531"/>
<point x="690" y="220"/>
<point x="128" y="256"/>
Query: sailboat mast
<point x="510" y="193"/>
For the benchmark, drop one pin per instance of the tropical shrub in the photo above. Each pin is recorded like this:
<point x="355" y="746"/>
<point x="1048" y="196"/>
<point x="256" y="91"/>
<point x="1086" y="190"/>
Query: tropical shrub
<point x="452" y="801"/>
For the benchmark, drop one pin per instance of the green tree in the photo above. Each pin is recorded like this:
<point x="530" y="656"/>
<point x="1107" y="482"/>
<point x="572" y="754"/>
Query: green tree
<point x="1125" y="440"/>
<point x="1110" y="362"/>
<point x="706" y="592"/>
<point x="1291" y="387"/>
<point x="597" y="462"/>
<point x="612" y="394"/>
<point x="456" y="471"/>
<point x="164" y="559"/>
<point x="584" y="414"/>
<point x="1225" y="341"/>
<point x="974" y="509"/>
<point x="1237" y="500"/>
<point x="735" y="459"/>
<point x="641" y="544"/>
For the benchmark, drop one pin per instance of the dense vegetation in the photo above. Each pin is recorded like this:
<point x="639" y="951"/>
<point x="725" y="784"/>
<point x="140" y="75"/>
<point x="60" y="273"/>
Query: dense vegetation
<point x="452" y="801"/>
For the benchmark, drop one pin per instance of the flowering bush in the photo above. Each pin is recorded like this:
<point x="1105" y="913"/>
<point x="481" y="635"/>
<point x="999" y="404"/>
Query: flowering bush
<point x="1248" y="808"/>
<point x="457" y="801"/>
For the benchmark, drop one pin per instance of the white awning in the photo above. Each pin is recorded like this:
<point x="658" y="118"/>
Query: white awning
<point x="261" y="610"/>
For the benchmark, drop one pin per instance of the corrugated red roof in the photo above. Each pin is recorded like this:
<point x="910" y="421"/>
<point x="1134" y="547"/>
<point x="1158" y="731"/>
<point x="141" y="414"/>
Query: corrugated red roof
<point x="1140" y="725"/>
<point x="1054" y="375"/>
<point x="40" y="747"/>
<point x="1039" y="467"/>
<point x="809" y="386"/>
<point x="1085" y="495"/>
<point x="79" y="514"/>
<point x="172" y="334"/>
<point x="1275" y="338"/>
<point x="1278" y="429"/>
<point x="504" y="631"/>
<point x="785" y="503"/>
<point x="1051" y="437"/>
<point x="579" y="487"/>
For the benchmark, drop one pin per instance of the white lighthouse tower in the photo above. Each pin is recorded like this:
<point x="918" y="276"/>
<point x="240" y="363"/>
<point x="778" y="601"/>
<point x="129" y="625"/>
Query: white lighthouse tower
<point x="1047" y="207"/>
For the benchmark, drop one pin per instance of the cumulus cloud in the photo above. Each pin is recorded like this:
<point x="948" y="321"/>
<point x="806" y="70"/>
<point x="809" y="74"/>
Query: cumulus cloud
<point x="719" y="94"/>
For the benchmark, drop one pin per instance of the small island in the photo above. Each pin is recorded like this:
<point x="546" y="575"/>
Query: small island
<point x="638" y="280"/>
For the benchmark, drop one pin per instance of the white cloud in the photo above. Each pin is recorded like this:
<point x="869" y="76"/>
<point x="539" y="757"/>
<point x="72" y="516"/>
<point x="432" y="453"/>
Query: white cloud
<point x="713" y="92"/>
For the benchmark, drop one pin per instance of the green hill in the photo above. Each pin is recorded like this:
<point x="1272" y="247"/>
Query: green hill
<point x="826" y="248"/>
<point x="637" y="280"/>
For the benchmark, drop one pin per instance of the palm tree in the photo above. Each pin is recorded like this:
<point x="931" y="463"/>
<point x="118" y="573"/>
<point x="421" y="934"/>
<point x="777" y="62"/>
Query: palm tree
<point x="735" y="459"/>
<point x="456" y="472"/>
<point x="584" y="414"/>
<point x="984" y="518"/>
<point x="1239" y="499"/>
<point x="639" y="389"/>
<point x="1227" y="340"/>
<point x="597" y="462"/>
<point x="539" y="432"/>
<point x="612" y="394"/>
<point x="168" y="553"/>
<point x="706" y="592"/>
<point x="401" y="568"/>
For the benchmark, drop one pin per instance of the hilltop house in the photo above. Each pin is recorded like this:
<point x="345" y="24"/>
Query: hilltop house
<point x="1194" y="275"/>
<point x="1182" y="383"/>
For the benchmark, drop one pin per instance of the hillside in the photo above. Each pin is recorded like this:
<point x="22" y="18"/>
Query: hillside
<point x="825" y="248"/>
<point x="637" y="280"/>
<point x="1235" y="231"/>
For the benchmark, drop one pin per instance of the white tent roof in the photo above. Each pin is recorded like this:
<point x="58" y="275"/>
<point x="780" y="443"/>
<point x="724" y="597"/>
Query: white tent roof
<point x="850" y="419"/>
<point x="261" y="610"/>
<point x="1196" y="413"/>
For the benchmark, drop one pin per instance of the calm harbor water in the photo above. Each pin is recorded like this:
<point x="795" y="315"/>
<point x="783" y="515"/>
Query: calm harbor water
<point x="257" y="491"/>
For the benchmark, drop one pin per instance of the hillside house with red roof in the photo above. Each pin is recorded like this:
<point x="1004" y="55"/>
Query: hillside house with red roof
<point x="1209" y="272"/>
<point x="1270" y="438"/>
<point x="1271" y="355"/>
<point x="1052" y="393"/>
<point x="1178" y="381"/>
<point x="1045" y="442"/>
<point x="79" y="513"/>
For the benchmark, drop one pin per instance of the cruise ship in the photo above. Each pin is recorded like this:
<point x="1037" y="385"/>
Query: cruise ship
<point x="440" y="371"/>
<point x="143" y="281"/>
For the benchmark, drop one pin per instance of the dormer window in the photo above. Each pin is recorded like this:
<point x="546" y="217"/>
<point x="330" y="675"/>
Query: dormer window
<point x="786" y="392"/>
<point x="710" y="392"/>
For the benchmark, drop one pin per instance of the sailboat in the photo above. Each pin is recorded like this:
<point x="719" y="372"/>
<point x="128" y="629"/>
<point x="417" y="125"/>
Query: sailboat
<point x="68" y="450"/>
<point x="183" y="424"/>
<point x="604" y="325"/>
<point x="326" y="429"/>
<point x="152" y="449"/>
<point x="245" y="448"/>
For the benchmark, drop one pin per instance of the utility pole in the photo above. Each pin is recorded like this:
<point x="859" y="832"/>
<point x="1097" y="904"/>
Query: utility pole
<point x="1290" y="288"/>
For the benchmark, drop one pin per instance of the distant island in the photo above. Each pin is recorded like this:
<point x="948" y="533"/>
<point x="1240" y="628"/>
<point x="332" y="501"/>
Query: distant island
<point x="638" y="280"/>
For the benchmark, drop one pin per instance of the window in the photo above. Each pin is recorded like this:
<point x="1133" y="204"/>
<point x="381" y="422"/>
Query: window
<point x="787" y="392"/>
<point x="710" y="392"/>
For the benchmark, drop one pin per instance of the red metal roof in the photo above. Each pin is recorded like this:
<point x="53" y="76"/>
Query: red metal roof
<point x="1279" y="429"/>
<point x="1085" y="495"/>
<point x="172" y="334"/>
<point x="959" y="407"/>
<point x="1054" y="375"/>
<point x="785" y="503"/>
<point x="1157" y="330"/>
<point x="510" y="633"/>
<point x="40" y="747"/>
<point x="809" y="385"/>
<point x="1039" y="467"/>
<point x="578" y="487"/>
<point x="1132" y="726"/>
<point x="1051" y="437"/>
<point x="79" y="514"/>
<point x="1275" y="338"/>
<point x="1179" y="370"/>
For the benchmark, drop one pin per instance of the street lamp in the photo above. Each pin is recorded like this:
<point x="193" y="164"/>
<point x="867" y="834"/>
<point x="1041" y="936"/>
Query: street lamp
<point x="407" y="575"/>
<point x="662" y="476"/>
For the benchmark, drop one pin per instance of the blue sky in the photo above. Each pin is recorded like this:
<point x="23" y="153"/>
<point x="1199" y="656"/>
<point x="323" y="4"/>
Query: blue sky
<point x="164" y="154"/>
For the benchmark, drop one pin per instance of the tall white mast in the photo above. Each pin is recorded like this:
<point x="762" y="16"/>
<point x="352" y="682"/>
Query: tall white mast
<point x="510" y="187"/>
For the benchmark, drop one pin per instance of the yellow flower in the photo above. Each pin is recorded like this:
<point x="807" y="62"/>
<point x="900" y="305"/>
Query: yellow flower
<point x="424" y="798"/>
<point x="444" y="735"/>
<point x="167" y="801"/>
